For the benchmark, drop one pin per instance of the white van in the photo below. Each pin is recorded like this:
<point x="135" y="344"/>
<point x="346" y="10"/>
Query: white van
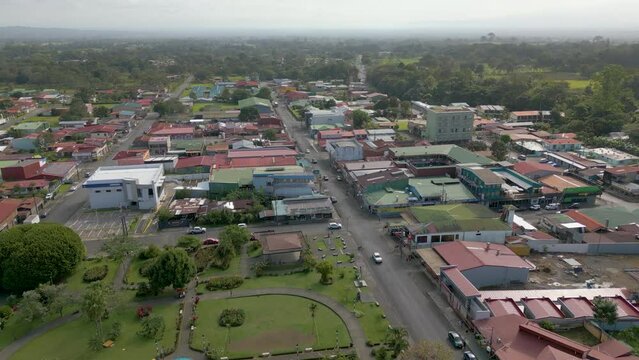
<point x="553" y="206"/>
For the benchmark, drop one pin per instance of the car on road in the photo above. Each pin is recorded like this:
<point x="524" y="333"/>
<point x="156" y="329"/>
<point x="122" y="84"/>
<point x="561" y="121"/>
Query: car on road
<point x="325" y="178"/>
<point x="49" y="196"/>
<point x="455" y="340"/>
<point x="552" y="206"/>
<point x="73" y="188"/>
<point x="196" y="230"/>
<point x="522" y="157"/>
<point x="313" y="161"/>
<point x="543" y="160"/>
<point x="87" y="174"/>
<point x="242" y="225"/>
<point x="377" y="258"/>
<point x="339" y="178"/>
<point x="334" y="226"/>
<point x="211" y="241"/>
<point x="308" y="151"/>
<point x="468" y="355"/>
<point x="333" y="199"/>
<point x="535" y="207"/>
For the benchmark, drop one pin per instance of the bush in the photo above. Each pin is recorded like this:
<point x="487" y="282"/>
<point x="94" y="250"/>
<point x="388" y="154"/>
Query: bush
<point x="144" y="269"/>
<point x="144" y="289"/>
<point x="5" y="312"/>
<point x="116" y="330"/>
<point x="149" y="253"/>
<point x="143" y="311"/>
<point x="203" y="257"/>
<point x="231" y="317"/>
<point x="152" y="327"/>
<point x="224" y="283"/>
<point x="189" y="243"/>
<point x="95" y="273"/>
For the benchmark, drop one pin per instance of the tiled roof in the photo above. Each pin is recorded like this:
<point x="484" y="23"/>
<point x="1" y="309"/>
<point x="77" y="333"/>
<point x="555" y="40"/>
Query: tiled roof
<point x="469" y="255"/>
<point x="194" y="161"/>
<point x="528" y="167"/>
<point x="591" y="224"/>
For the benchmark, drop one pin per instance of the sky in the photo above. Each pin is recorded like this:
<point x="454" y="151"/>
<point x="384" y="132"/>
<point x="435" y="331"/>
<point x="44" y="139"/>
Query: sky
<point x="453" y="15"/>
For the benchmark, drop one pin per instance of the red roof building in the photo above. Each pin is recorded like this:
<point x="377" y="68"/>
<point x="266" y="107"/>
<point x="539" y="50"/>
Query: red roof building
<point x="261" y="152"/>
<point x="23" y="170"/>
<point x="541" y="308"/>
<point x="591" y="224"/>
<point x="183" y="133"/>
<point x="501" y="307"/>
<point x="8" y="213"/>
<point x="536" y="170"/>
<point x="195" y="162"/>
<point x="578" y="307"/>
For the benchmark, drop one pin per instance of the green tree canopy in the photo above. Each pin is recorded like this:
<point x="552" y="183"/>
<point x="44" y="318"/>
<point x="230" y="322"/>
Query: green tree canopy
<point x="249" y="114"/>
<point x="101" y="111"/>
<point x="269" y="134"/>
<point x="237" y="235"/>
<point x="360" y="119"/>
<point x="325" y="268"/>
<point x="240" y="94"/>
<point x="40" y="253"/>
<point x="264" y="93"/>
<point x="499" y="150"/>
<point x="169" y="107"/>
<point x="173" y="268"/>
<point x="605" y="311"/>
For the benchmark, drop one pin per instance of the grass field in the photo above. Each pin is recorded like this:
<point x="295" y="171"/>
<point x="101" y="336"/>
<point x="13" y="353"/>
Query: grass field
<point x="74" y="282"/>
<point x="53" y="121"/>
<point x="270" y="326"/>
<point x="133" y="273"/>
<point x="233" y="270"/>
<point x="578" y="84"/>
<point x="213" y="106"/>
<point x="70" y="341"/>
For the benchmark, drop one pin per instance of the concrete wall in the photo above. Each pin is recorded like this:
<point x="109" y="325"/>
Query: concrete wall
<point x="283" y="258"/>
<point x="486" y="276"/>
<point x="200" y="176"/>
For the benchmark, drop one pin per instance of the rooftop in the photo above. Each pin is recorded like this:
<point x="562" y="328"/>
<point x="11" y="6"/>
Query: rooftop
<point x="274" y="243"/>
<point x="562" y="141"/>
<point x="367" y="165"/>
<point x="252" y="101"/>
<point x="486" y="175"/>
<point x="434" y="187"/>
<point x="261" y="152"/>
<point x="623" y="170"/>
<point x="454" y="152"/>
<point x="461" y="282"/>
<point x="613" y="154"/>
<point x="529" y="167"/>
<point x="577" y="307"/>
<point x="542" y="308"/>
<point x="469" y="255"/>
<point x="144" y="174"/>
<point x="501" y="307"/>
<point x="240" y="176"/>
<point x="447" y="109"/>
<point x="591" y="224"/>
<point x="458" y="217"/>
<point x="386" y="198"/>
<point x="189" y="162"/>
<point x="29" y="125"/>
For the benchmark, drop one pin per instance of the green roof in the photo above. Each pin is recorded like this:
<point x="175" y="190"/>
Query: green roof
<point x="4" y="163"/>
<point x="240" y="176"/>
<point x="188" y="145"/>
<point x="560" y="218"/>
<point x="385" y="198"/>
<point x="459" y="217"/>
<point x="30" y="125"/>
<point x="432" y="187"/>
<point x="456" y="153"/>
<point x="278" y="169"/>
<point x="614" y="215"/>
<point x="320" y="127"/>
<point x="252" y="101"/>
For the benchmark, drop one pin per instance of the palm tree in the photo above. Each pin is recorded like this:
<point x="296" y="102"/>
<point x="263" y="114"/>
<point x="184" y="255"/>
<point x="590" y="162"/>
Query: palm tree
<point x="397" y="340"/>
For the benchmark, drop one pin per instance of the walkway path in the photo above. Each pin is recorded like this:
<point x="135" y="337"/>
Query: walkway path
<point x="355" y="330"/>
<point x="17" y="344"/>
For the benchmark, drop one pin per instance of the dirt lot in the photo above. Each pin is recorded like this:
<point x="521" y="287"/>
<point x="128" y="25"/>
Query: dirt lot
<point x="605" y="270"/>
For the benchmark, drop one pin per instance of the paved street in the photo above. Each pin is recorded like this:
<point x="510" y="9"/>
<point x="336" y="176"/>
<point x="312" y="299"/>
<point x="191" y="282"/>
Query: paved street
<point x="401" y="287"/>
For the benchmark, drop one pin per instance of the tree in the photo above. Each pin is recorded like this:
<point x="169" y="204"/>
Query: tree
<point x="237" y="235"/>
<point x="226" y="94"/>
<point x="164" y="214"/>
<point x="94" y="305"/>
<point x="240" y="94"/>
<point x="476" y="145"/>
<point x="505" y="139"/>
<point x="360" y="119"/>
<point x="325" y="268"/>
<point x="264" y="93"/>
<point x="189" y="243"/>
<point x="55" y="297"/>
<point x="605" y="311"/>
<point x="174" y="267"/>
<point x="224" y="253"/>
<point x="30" y="308"/>
<point x="169" y="107"/>
<point x="45" y="140"/>
<point x="499" y="150"/>
<point x="77" y="110"/>
<point x="249" y="113"/>
<point x="428" y="350"/>
<point x="312" y="308"/>
<point x="396" y="341"/>
<point x="101" y="112"/>
<point x="269" y="134"/>
<point x="152" y="327"/>
<point x="120" y="247"/>
<point x="34" y="254"/>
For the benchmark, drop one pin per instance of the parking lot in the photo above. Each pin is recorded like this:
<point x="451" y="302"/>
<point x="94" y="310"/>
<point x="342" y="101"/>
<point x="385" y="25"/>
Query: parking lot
<point x="95" y="225"/>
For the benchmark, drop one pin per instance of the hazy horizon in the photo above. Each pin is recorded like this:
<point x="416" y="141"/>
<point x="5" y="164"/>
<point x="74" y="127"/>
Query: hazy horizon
<point x="284" y="16"/>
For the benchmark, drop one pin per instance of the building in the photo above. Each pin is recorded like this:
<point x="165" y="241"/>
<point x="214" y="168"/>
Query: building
<point x="135" y="186"/>
<point x="612" y="157"/>
<point x="484" y="265"/>
<point x="344" y="150"/>
<point x="26" y="143"/>
<point x="263" y="106"/>
<point x="536" y="170"/>
<point x="26" y="128"/>
<point x="174" y="132"/>
<point x="159" y="145"/>
<point x="437" y="155"/>
<point x="224" y="181"/>
<point x="572" y="161"/>
<point x="500" y="186"/>
<point x="22" y="170"/>
<point x="566" y="144"/>
<point x="23" y="187"/>
<point x="447" y="124"/>
<point x="530" y="116"/>
<point x="8" y="213"/>
<point x="194" y="165"/>
<point x="428" y="225"/>
<point x="528" y="147"/>
<point x="282" y="248"/>
<point x="565" y="227"/>
<point x="438" y="190"/>
<point x="491" y="111"/>
<point x="300" y="209"/>
<point x="283" y="181"/>
<point x="324" y="117"/>
<point x="623" y="180"/>
<point x="571" y="190"/>
<point x="386" y="135"/>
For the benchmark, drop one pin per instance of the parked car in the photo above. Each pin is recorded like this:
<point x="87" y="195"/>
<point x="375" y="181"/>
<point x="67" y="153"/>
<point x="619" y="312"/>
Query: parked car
<point x="325" y="178"/>
<point x="543" y="160"/>
<point x="314" y="161"/>
<point x="522" y="157"/>
<point x="573" y="206"/>
<point x="333" y="199"/>
<point x="73" y="188"/>
<point x="242" y="225"/>
<point x="308" y="151"/>
<point x="43" y="215"/>
<point x="339" y="178"/>
<point x="552" y="206"/>
<point x="334" y="226"/>
<point x="535" y="207"/>
<point x="211" y="241"/>
<point x="196" y="230"/>
<point x="455" y="340"/>
<point x="377" y="258"/>
<point x="49" y="196"/>
<point x="87" y="174"/>
<point x="468" y="355"/>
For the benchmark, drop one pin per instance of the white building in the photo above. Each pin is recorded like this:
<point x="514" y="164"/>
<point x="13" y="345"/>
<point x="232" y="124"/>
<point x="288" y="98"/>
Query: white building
<point x="134" y="186"/>
<point x="345" y="150"/>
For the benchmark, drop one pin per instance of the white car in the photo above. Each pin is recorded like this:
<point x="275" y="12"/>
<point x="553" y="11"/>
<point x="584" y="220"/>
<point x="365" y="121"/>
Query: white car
<point x="553" y="206"/>
<point x="334" y="226"/>
<point x="242" y="225"/>
<point x="73" y="188"/>
<point x="49" y="196"/>
<point x="196" y="230"/>
<point x="377" y="258"/>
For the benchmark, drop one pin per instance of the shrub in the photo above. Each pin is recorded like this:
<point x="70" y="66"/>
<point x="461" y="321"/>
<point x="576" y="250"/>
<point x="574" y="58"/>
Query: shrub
<point x="143" y="311"/>
<point x="152" y="327"/>
<point x="116" y="330"/>
<point x="231" y="317"/>
<point x="149" y="253"/>
<point x="5" y="312"/>
<point x="95" y="273"/>
<point x="189" y="243"/>
<point x="144" y="289"/>
<point x="144" y="269"/>
<point x="547" y="325"/>
<point x="224" y="283"/>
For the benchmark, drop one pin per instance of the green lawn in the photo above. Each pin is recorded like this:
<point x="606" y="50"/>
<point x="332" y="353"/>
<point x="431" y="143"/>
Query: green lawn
<point x="269" y="326"/>
<point x="70" y="340"/>
<point x="213" y="106"/>
<point x="133" y="273"/>
<point x="578" y="84"/>
<point x="342" y="290"/>
<point x="53" y="121"/>
<point x="580" y="335"/>
<point x="74" y="282"/>
<point x="233" y="270"/>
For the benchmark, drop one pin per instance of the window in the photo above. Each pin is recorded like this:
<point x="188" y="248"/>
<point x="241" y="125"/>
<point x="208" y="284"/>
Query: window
<point x="151" y="192"/>
<point x="98" y="191"/>
<point x="139" y="193"/>
<point x="119" y="190"/>
<point x="108" y="190"/>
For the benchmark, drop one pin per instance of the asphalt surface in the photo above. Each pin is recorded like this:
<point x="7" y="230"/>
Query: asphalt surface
<point x="401" y="287"/>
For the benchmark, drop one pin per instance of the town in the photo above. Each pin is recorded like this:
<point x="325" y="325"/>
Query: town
<point x="237" y="216"/>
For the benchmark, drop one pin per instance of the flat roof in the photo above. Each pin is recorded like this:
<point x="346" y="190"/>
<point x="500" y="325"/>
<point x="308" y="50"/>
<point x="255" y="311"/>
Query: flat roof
<point x="240" y="176"/>
<point x="385" y="198"/>
<point x="613" y="154"/>
<point x="144" y="174"/>
<point x="458" y="217"/>
<point x="434" y="187"/>
<point x="270" y="170"/>
<point x="454" y="152"/>
<point x="367" y="165"/>
<point x="561" y="182"/>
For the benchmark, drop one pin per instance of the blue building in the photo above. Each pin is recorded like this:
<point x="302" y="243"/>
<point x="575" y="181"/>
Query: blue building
<point x="283" y="181"/>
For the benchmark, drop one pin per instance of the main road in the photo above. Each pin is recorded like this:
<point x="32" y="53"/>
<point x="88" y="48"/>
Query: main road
<point x="408" y="297"/>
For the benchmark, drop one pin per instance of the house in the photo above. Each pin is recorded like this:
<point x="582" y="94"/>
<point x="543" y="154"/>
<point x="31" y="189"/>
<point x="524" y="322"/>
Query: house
<point x="447" y="124"/>
<point x="174" y="132"/>
<point x="282" y="248"/>
<point x="22" y="170"/>
<point x="8" y="213"/>
<point x="491" y="111"/>
<point x="428" y="225"/>
<point x="23" y="187"/>
<point x="565" y="144"/>
<point x="324" y="117"/>
<point x="263" y="106"/>
<point x="344" y="150"/>
<point x="26" y="143"/>
<point x="530" y="116"/>
<point x="26" y="128"/>
<point x="332" y="135"/>
<point x="612" y="157"/>
<point x="484" y="265"/>
<point x="85" y="153"/>
<point x="224" y="181"/>
<point x="194" y="165"/>
<point x="589" y="223"/>
<point x="536" y="170"/>
<point x="159" y="145"/>
<point x="243" y="144"/>
<point x="386" y="135"/>
<point x="571" y="190"/>
<point x="184" y="211"/>
<point x="26" y="207"/>
<point x="135" y="186"/>
<point x="64" y="171"/>
<point x="565" y="227"/>
<point x="301" y="209"/>
<point x="623" y="180"/>
<point x="437" y="155"/>
<point x="541" y="309"/>
<point x="283" y="181"/>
